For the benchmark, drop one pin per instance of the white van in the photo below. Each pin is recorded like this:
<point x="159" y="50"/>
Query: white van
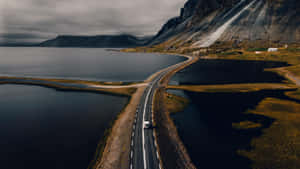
<point x="147" y="124"/>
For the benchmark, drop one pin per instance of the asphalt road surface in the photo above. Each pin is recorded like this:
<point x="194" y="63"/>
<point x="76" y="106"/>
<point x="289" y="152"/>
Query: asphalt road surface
<point x="144" y="154"/>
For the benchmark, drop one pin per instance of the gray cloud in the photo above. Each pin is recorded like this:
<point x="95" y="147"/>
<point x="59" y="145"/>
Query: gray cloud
<point x="42" y="19"/>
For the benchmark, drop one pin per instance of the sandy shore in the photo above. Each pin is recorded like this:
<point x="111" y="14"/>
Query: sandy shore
<point x="116" y="151"/>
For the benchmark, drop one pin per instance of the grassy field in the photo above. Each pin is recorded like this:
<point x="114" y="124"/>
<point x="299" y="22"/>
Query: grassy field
<point x="289" y="55"/>
<point x="279" y="146"/>
<point x="175" y="103"/>
<point x="246" y="125"/>
<point x="294" y="70"/>
<point x="234" y="88"/>
<point x="284" y="55"/>
<point x="294" y="94"/>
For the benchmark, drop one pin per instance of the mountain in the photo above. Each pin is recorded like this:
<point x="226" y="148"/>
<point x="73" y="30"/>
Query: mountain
<point x="111" y="41"/>
<point x="204" y="22"/>
<point x="17" y="44"/>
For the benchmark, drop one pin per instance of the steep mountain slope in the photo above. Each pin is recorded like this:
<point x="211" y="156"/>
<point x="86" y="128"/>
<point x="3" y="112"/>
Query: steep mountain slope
<point x="117" y="41"/>
<point x="203" y="22"/>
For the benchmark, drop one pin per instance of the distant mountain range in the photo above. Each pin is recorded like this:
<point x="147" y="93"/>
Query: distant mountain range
<point x="112" y="41"/>
<point x="204" y="22"/>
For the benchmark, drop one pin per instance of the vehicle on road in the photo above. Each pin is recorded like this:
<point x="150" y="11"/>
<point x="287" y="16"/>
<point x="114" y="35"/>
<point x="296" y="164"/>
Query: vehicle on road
<point x="147" y="125"/>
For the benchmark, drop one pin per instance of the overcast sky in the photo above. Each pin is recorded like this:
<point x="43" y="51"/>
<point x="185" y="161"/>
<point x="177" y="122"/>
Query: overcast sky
<point x="36" y="20"/>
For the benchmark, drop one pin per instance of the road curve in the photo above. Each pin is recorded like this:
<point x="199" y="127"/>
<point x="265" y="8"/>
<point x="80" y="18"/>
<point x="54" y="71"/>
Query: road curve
<point x="144" y="154"/>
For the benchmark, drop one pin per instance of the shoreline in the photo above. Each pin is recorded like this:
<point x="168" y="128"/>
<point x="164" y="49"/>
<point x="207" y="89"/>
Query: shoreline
<point x="181" y="149"/>
<point x="111" y="152"/>
<point x="246" y="87"/>
<point x="109" y="91"/>
<point x="167" y="137"/>
<point x="116" y="153"/>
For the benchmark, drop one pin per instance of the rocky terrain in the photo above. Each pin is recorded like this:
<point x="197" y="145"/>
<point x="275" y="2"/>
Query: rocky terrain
<point x="204" y="22"/>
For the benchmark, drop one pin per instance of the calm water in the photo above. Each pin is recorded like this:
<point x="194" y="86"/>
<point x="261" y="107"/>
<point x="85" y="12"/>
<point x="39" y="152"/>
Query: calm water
<point x="205" y="127"/>
<point x="41" y="128"/>
<point x="82" y="63"/>
<point x="227" y="71"/>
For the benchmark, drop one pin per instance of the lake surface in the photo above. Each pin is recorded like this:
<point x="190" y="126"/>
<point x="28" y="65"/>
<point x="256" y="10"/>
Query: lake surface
<point x="41" y="128"/>
<point x="205" y="127"/>
<point x="227" y="71"/>
<point x="82" y="63"/>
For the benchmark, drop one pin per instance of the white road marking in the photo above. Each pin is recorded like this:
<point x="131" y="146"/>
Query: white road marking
<point x="131" y="166"/>
<point x="131" y="154"/>
<point x="144" y="113"/>
<point x="143" y="133"/>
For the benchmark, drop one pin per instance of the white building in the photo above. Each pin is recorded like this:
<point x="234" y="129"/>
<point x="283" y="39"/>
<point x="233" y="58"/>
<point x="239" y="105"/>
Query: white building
<point x="273" y="50"/>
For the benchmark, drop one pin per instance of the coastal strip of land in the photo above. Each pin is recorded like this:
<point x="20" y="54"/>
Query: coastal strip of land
<point x="173" y="152"/>
<point x="115" y="88"/>
<point x="234" y="88"/>
<point x="116" y="153"/>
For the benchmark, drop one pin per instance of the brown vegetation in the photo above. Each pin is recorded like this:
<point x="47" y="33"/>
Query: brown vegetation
<point x="279" y="146"/>
<point x="294" y="94"/>
<point x="175" y="103"/>
<point x="246" y="125"/>
<point x="114" y="91"/>
<point x="172" y="150"/>
<point x="86" y="82"/>
<point x="234" y="87"/>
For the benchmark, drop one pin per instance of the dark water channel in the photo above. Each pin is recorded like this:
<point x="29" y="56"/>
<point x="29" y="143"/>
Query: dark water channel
<point x="41" y="128"/>
<point x="228" y="71"/>
<point x="205" y="126"/>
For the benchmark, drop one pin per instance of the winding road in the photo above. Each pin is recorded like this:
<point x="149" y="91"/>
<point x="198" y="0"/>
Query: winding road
<point x="144" y="154"/>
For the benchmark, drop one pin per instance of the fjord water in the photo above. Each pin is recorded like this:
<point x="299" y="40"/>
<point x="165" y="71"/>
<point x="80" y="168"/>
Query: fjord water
<point x="82" y="63"/>
<point x="45" y="128"/>
<point x="228" y="71"/>
<point x="205" y="126"/>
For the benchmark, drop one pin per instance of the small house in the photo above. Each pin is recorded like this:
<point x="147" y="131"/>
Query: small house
<point x="273" y="50"/>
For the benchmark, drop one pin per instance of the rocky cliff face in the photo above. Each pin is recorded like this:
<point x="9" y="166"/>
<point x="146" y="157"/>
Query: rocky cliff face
<point x="203" y="22"/>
